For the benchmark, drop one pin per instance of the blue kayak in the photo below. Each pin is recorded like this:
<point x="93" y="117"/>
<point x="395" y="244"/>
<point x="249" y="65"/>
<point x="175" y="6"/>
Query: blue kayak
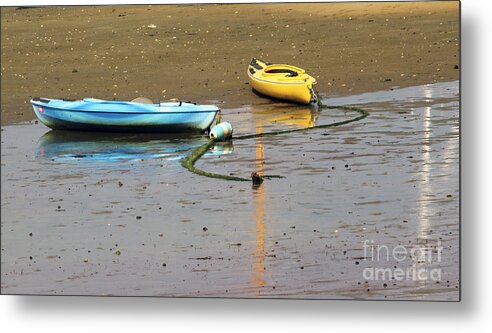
<point x="92" y="114"/>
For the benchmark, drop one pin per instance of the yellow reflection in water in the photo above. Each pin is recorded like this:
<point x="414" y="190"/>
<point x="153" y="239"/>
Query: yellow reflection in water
<point x="301" y="117"/>
<point x="259" y="193"/>
<point x="298" y="116"/>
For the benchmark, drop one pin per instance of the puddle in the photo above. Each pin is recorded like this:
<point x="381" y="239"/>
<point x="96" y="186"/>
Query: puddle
<point x="86" y="213"/>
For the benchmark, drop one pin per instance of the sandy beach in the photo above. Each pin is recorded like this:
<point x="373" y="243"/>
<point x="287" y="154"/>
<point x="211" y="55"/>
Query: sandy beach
<point x="201" y="52"/>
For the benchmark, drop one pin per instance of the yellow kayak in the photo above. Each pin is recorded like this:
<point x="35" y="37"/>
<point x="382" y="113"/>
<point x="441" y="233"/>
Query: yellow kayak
<point x="281" y="81"/>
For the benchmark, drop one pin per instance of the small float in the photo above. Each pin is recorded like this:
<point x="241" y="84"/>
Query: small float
<point x="139" y="115"/>
<point x="280" y="81"/>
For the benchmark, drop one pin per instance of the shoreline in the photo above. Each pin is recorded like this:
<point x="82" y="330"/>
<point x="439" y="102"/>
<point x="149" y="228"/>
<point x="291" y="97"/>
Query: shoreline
<point x="201" y="52"/>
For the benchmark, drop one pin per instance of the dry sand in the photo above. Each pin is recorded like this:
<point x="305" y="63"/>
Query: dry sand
<point x="201" y="52"/>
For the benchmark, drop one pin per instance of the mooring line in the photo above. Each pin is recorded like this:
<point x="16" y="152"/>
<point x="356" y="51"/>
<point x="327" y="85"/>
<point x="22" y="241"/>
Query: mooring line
<point x="189" y="161"/>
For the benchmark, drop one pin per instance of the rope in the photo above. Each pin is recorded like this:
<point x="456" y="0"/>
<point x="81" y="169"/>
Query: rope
<point x="189" y="161"/>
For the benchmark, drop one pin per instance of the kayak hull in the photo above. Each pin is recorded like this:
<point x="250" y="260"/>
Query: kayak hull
<point x="283" y="82"/>
<point x="99" y="115"/>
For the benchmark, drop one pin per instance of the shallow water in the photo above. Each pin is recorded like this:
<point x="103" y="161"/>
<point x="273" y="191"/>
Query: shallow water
<point x="118" y="215"/>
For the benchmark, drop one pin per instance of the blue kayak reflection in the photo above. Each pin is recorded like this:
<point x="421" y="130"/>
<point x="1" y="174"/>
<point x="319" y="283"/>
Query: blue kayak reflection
<point x="69" y="146"/>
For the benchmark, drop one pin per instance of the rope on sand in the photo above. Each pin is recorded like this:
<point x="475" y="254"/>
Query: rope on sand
<point x="189" y="161"/>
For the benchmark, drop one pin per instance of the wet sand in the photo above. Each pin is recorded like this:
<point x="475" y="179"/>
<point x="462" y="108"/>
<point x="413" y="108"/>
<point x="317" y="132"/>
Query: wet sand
<point x="201" y="53"/>
<point x="110" y="214"/>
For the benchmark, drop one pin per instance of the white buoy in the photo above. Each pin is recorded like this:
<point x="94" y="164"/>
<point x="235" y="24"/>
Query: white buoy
<point x="221" y="132"/>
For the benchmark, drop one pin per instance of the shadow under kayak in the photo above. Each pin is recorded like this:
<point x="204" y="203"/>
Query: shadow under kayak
<point x="100" y="115"/>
